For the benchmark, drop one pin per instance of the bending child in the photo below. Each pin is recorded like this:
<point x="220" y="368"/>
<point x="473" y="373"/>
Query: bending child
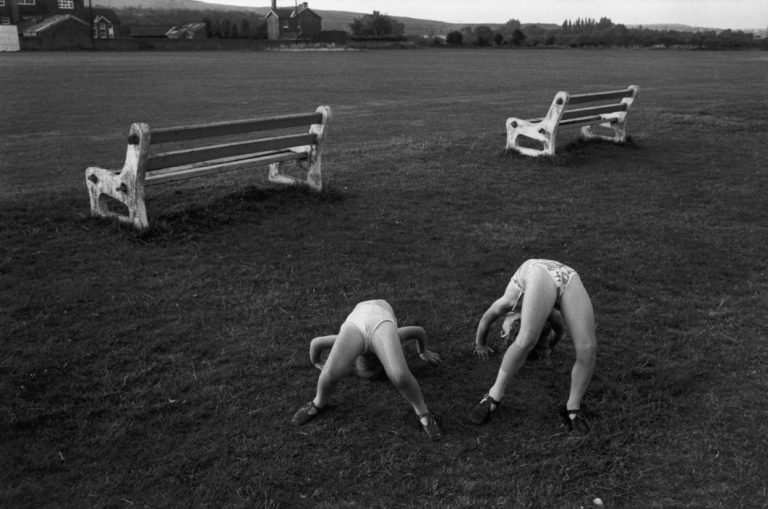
<point x="537" y="291"/>
<point x="551" y="334"/>
<point x="370" y="339"/>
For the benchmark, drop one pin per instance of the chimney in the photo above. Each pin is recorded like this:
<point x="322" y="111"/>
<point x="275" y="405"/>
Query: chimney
<point x="274" y="5"/>
<point x="14" y="8"/>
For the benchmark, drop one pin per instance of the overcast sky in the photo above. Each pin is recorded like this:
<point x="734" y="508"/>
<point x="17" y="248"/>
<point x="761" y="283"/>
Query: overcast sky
<point x="732" y="14"/>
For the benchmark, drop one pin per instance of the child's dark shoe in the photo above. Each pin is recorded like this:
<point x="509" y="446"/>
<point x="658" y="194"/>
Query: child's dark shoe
<point x="575" y="420"/>
<point x="431" y="428"/>
<point x="480" y="413"/>
<point x="306" y="413"/>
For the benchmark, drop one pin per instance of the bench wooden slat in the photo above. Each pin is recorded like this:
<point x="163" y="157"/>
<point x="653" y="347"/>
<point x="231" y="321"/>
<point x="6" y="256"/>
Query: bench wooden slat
<point x="599" y="96"/>
<point x="181" y="157"/>
<point x="584" y="113"/>
<point x="224" y="164"/>
<point x="193" y="132"/>
<point x="579" y="120"/>
<point x="222" y="160"/>
<point x="595" y="110"/>
<point x="594" y="119"/>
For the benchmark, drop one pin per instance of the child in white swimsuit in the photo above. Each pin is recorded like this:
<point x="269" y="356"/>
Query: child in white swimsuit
<point x="368" y="315"/>
<point x="536" y="290"/>
<point x="370" y="339"/>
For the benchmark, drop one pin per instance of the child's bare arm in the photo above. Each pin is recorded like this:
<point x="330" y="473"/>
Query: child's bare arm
<point x="497" y="309"/>
<point x="413" y="332"/>
<point x="420" y="335"/>
<point x="316" y="347"/>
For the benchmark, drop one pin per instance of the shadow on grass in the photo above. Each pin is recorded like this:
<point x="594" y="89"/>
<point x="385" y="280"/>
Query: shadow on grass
<point x="192" y="216"/>
<point x="596" y="145"/>
<point x="576" y="151"/>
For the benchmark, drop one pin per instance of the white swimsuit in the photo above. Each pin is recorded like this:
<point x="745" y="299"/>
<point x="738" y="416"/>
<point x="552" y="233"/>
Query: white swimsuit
<point x="368" y="315"/>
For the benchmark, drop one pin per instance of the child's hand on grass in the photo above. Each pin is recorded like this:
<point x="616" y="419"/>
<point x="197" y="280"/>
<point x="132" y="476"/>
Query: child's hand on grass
<point x="430" y="357"/>
<point x="483" y="351"/>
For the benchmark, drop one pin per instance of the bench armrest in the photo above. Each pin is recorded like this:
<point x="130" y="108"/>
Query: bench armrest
<point x="126" y="185"/>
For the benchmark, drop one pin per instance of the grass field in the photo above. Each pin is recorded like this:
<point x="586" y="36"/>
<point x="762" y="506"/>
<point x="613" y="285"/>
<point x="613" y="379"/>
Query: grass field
<point x="161" y="369"/>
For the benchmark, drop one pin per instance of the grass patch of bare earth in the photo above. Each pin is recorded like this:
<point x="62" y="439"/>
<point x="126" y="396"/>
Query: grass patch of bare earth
<point x="161" y="369"/>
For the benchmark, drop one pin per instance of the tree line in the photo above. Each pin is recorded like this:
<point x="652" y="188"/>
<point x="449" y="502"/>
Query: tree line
<point x="218" y="24"/>
<point x="582" y="33"/>
<point x="578" y="33"/>
<point x="377" y="26"/>
<point x="246" y="27"/>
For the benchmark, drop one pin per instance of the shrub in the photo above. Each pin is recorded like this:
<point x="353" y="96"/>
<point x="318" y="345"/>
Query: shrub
<point x="454" y="37"/>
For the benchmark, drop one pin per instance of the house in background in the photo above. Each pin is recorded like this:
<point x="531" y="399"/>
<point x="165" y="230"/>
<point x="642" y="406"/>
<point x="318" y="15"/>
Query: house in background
<point x="56" y="24"/>
<point x="49" y="24"/>
<point x="299" y="23"/>
<point x="20" y="12"/>
<point x="59" y="31"/>
<point x="106" y="24"/>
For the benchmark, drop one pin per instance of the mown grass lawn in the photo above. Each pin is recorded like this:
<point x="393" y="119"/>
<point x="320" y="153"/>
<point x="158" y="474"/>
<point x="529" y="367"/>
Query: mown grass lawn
<point x="161" y="369"/>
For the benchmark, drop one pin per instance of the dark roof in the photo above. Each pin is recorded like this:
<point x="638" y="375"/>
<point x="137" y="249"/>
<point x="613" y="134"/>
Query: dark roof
<point x="281" y="12"/>
<point x="288" y="12"/>
<point x="50" y="22"/>
<point x="108" y="14"/>
<point x="307" y="10"/>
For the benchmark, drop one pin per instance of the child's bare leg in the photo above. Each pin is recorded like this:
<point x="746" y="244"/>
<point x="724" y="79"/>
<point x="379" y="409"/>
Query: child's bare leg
<point x="387" y="347"/>
<point x="540" y="297"/>
<point x="348" y="346"/>
<point x="580" y="320"/>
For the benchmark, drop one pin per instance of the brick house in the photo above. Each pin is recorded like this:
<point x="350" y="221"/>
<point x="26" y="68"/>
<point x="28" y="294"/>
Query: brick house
<point x="59" y="19"/>
<point x="20" y="12"/>
<point x="299" y="23"/>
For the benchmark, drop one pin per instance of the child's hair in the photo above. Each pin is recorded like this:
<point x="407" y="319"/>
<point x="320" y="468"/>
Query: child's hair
<point x="368" y="366"/>
<point x="511" y="326"/>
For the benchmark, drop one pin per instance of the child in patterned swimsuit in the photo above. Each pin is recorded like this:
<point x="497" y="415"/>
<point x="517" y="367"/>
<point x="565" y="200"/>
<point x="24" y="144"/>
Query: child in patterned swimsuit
<point x="371" y="340"/>
<point x="536" y="292"/>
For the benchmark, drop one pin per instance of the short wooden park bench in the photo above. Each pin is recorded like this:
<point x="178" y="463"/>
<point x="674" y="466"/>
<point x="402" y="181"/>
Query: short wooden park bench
<point x="146" y="167"/>
<point x="603" y="116"/>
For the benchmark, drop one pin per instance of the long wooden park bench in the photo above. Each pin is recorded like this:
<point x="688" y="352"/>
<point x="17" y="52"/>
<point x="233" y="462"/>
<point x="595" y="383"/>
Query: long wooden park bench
<point x="602" y="115"/>
<point x="269" y="141"/>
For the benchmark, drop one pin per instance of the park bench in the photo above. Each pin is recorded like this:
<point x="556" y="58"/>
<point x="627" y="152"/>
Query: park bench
<point x="603" y="116"/>
<point x="270" y="141"/>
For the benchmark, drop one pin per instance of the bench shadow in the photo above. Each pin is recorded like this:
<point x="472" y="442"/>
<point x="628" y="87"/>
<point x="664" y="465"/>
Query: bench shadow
<point x="193" y="216"/>
<point x="576" y="151"/>
<point x="593" y="145"/>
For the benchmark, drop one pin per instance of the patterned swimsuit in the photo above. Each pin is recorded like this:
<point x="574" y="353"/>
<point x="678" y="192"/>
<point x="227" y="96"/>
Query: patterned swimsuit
<point x="561" y="275"/>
